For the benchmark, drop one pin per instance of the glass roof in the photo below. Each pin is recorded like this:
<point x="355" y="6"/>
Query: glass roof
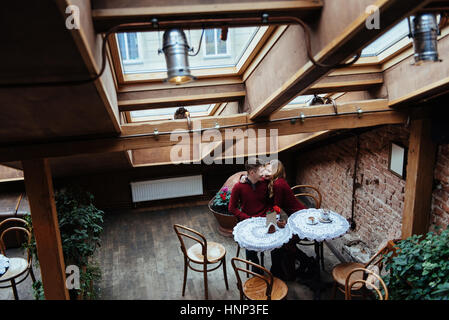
<point x="388" y="39"/>
<point x="139" y="50"/>
<point x="303" y="99"/>
<point x="167" y="113"/>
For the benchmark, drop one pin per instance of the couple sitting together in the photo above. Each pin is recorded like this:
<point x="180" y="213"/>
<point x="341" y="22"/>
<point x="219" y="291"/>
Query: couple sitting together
<point x="263" y="187"/>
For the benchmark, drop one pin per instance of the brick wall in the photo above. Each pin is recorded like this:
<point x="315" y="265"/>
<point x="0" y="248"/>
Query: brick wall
<point x="380" y="197"/>
<point x="440" y="199"/>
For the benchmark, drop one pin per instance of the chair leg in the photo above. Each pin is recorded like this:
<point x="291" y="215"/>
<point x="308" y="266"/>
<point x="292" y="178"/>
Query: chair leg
<point x="185" y="276"/>
<point x="224" y="272"/>
<point x="14" y="289"/>
<point x="32" y="275"/>
<point x="206" y="297"/>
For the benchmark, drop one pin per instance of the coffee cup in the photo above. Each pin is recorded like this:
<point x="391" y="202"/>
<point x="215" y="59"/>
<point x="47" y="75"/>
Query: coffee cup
<point x="325" y="215"/>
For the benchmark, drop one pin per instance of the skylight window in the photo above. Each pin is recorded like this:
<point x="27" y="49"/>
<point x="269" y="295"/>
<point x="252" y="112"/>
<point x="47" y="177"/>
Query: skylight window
<point x="387" y="40"/>
<point x="167" y="113"/>
<point x="139" y="58"/>
<point x="301" y="100"/>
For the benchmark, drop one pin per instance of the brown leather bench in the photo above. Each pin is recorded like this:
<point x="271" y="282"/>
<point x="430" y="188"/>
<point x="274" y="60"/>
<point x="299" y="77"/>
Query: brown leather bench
<point x="13" y="205"/>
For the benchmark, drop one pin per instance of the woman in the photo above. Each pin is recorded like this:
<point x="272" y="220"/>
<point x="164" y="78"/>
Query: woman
<point x="283" y="259"/>
<point x="279" y="190"/>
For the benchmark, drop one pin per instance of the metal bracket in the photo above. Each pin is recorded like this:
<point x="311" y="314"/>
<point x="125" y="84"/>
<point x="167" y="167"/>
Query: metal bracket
<point x="334" y="104"/>
<point x="359" y="112"/>
<point x="265" y="17"/>
<point x="156" y="134"/>
<point x="302" y="117"/>
<point x="217" y="126"/>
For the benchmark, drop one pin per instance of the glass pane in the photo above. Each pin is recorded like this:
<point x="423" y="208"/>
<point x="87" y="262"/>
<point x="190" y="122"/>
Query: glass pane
<point x="152" y="62"/>
<point x="133" y="50"/>
<point x="221" y="45"/>
<point x="169" y="111"/>
<point x="387" y="40"/>
<point x="122" y="45"/>
<point x="210" y="41"/>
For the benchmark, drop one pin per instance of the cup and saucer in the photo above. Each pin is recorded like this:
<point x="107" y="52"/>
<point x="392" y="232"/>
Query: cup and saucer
<point x="325" y="216"/>
<point x="311" y="220"/>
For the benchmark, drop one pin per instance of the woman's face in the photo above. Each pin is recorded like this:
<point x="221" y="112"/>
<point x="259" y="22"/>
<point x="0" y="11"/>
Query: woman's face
<point x="266" y="171"/>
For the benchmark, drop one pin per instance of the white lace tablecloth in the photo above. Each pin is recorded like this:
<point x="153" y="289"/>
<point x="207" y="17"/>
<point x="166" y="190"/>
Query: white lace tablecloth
<point x="252" y="234"/>
<point x="4" y="264"/>
<point x="320" y="231"/>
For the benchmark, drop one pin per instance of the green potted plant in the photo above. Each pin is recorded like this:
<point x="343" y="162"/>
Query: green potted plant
<point x="218" y="205"/>
<point x="419" y="267"/>
<point x="80" y="226"/>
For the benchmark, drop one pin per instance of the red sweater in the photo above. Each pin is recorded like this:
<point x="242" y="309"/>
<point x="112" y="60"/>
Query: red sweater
<point x="254" y="203"/>
<point x="284" y="197"/>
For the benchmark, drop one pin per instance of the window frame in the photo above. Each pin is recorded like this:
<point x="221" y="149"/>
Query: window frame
<point x="216" y="41"/>
<point x="139" y="48"/>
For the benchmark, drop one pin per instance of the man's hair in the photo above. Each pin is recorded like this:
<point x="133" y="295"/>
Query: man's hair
<point x="180" y="113"/>
<point x="253" y="164"/>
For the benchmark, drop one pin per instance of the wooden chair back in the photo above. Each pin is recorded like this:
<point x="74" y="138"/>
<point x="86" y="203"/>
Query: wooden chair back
<point x="268" y="278"/>
<point x="368" y="284"/>
<point x="377" y="259"/>
<point x="24" y="230"/>
<point x="315" y="196"/>
<point x="186" y="232"/>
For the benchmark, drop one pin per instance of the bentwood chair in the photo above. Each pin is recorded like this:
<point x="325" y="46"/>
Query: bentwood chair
<point x="315" y="194"/>
<point x="258" y="287"/>
<point x="343" y="271"/>
<point x="366" y="280"/>
<point x="19" y="268"/>
<point x="201" y="253"/>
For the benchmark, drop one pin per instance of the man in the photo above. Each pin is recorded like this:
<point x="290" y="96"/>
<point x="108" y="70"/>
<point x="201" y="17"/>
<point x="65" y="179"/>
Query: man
<point x="252" y="197"/>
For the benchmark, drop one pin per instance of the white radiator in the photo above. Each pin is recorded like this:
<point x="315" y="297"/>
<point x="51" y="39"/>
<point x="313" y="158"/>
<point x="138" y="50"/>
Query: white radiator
<point x="167" y="188"/>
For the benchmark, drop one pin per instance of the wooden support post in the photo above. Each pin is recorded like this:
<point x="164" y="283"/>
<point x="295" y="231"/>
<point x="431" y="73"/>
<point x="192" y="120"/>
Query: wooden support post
<point x="39" y="188"/>
<point x="419" y="179"/>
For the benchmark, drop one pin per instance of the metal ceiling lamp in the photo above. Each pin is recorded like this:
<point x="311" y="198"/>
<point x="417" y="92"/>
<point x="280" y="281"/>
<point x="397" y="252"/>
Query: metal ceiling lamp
<point x="424" y="30"/>
<point x="175" y="48"/>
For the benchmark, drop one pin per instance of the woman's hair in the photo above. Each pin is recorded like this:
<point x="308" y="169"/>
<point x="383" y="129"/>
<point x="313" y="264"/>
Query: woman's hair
<point x="278" y="171"/>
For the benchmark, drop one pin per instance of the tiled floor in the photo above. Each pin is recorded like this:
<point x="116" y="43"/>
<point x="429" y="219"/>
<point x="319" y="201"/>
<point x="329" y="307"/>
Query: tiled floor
<point x="140" y="258"/>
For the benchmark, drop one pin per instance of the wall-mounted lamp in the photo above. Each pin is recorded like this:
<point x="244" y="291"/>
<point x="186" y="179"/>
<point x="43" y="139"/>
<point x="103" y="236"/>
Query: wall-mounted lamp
<point x="424" y="30"/>
<point x="175" y="48"/>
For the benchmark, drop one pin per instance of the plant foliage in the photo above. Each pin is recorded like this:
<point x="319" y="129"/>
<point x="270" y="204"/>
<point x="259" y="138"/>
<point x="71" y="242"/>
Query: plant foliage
<point x="420" y="270"/>
<point x="221" y="201"/>
<point x="80" y="226"/>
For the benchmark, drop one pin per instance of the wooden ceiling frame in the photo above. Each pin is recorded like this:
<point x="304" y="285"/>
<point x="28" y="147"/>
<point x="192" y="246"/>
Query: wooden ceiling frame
<point x="331" y="45"/>
<point x="108" y="13"/>
<point x="141" y="136"/>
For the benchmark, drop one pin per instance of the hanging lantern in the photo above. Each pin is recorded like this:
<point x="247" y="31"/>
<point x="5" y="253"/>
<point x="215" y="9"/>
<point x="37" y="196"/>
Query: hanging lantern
<point x="424" y="31"/>
<point x="175" y="48"/>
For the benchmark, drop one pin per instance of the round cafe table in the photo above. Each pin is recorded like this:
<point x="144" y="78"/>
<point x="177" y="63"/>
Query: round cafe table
<point x="319" y="232"/>
<point x="4" y="264"/>
<point x="252" y="234"/>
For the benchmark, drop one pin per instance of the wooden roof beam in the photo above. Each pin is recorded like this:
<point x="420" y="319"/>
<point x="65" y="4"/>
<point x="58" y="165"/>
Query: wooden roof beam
<point x="286" y="70"/>
<point x="107" y="13"/>
<point x="346" y="83"/>
<point x="179" y="96"/>
<point x="141" y="136"/>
